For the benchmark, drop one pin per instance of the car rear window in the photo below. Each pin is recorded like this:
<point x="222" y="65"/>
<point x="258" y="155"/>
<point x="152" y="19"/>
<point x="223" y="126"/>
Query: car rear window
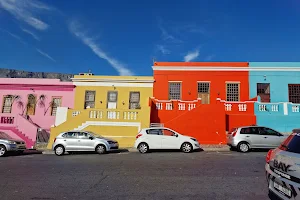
<point x="292" y="143"/>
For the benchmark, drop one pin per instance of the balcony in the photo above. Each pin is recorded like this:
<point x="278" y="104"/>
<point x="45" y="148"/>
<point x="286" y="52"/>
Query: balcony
<point x="238" y="107"/>
<point x="285" y="108"/>
<point x="106" y="115"/>
<point x="170" y="105"/>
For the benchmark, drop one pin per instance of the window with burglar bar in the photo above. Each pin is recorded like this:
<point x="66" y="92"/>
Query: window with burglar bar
<point x="232" y="91"/>
<point x="134" y="100"/>
<point x="112" y="97"/>
<point x="7" y="104"/>
<point x="174" y="90"/>
<point x="294" y="93"/>
<point x="263" y="90"/>
<point x="204" y="92"/>
<point x="89" y="99"/>
<point x="56" y="102"/>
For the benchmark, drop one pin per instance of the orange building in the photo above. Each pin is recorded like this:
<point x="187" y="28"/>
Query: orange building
<point x="202" y="99"/>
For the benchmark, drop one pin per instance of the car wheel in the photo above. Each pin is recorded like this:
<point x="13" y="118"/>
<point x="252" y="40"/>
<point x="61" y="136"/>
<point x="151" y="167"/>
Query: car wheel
<point x="59" y="150"/>
<point x="243" y="147"/>
<point x="2" y="150"/>
<point x="100" y="149"/>
<point x="143" y="148"/>
<point x="186" y="147"/>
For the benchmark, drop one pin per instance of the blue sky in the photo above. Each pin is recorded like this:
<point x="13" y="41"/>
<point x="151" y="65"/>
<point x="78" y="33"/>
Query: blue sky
<point x="119" y="37"/>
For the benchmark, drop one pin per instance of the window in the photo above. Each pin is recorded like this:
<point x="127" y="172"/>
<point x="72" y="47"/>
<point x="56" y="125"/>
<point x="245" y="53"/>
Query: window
<point x="154" y="131"/>
<point x="203" y="92"/>
<point x="294" y="93"/>
<point x="249" y="131"/>
<point x="267" y="131"/>
<point x="89" y="99"/>
<point x="56" y="102"/>
<point x="292" y="143"/>
<point x="167" y="132"/>
<point x="112" y="97"/>
<point x="174" y="90"/>
<point x="232" y="91"/>
<point x="70" y="135"/>
<point x="263" y="90"/>
<point x="83" y="135"/>
<point x="7" y="104"/>
<point x="31" y="104"/>
<point x="134" y="100"/>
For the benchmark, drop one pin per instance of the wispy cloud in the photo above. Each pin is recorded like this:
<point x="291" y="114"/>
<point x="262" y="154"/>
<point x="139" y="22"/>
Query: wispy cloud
<point x="13" y="35"/>
<point x="76" y="29"/>
<point x="45" y="54"/>
<point x="163" y="49"/>
<point x="23" y="10"/>
<point x="192" y="55"/>
<point x="209" y="58"/>
<point x="165" y="35"/>
<point x="31" y="33"/>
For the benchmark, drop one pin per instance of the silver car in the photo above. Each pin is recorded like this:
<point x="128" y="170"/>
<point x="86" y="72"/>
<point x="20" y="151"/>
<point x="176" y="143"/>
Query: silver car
<point x="250" y="137"/>
<point x="8" y="143"/>
<point x="283" y="169"/>
<point x="82" y="141"/>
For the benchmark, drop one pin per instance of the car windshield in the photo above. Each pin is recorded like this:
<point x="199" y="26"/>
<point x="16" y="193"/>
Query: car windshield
<point x="4" y="136"/>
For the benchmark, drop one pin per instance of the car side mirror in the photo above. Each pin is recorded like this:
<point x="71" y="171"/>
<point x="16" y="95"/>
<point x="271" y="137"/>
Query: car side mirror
<point x="176" y="135"/>
<point x="91" y="138"/>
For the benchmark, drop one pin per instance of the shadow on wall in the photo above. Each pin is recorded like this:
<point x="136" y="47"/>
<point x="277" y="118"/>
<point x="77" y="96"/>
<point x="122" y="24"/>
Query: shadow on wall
<point x="154" y="118"/>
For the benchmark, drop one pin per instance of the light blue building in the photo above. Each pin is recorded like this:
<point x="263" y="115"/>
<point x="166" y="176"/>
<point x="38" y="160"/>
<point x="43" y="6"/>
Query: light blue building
<point x="277" y="86"/>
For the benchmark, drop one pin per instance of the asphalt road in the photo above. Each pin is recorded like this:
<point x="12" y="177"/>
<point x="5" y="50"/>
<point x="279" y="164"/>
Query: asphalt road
<point x="159" y="175"/>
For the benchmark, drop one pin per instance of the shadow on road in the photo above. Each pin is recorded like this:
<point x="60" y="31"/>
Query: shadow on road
<point x="26" y="152"/>
<point x="93" y="152"/>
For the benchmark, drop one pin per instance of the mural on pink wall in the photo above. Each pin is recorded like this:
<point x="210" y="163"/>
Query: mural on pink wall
<point x="29" y="105"/>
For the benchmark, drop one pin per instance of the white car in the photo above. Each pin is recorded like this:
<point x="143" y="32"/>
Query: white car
<point x="164" y="138"/>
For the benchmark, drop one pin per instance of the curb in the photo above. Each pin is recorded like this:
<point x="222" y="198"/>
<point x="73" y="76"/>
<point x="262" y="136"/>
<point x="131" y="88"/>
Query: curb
<point x="133" y="150"/>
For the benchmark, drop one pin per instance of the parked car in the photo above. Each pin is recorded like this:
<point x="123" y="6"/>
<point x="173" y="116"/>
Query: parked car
<point x="82" y="141"/>
<point x="8" y="144"/>
<point x="283" y="169"/>
<point x="164" y="138"/>
<point x="250" y="137"/>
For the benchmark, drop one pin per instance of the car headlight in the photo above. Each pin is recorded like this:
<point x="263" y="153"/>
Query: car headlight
<point x="194" y="139"/>
<point x="11" y="142"/>
<point x="111" y="142"/>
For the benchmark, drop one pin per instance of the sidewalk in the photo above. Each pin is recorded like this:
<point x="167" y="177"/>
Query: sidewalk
<point x="205" y="147"/>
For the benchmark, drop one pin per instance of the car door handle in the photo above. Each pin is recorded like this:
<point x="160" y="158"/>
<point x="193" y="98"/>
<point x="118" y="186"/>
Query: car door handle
<point x="65" y="140"/>
<point x="265" y="137"/>
<point x="78" y="140"/>
<point x="247" y="136"/>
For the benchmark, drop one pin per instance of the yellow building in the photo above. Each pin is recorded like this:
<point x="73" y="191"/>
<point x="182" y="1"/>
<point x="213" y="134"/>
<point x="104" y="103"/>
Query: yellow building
<point x="112" y="106"/>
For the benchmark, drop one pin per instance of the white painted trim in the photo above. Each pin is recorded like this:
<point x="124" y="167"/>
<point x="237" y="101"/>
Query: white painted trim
<point x="285" y="109"/>
<point x="170" y="101"/>
<point x="107" y="123"/>
<point x="114" y="84"/>
<point x="219" y="99"/>
<point x="174" y="81"/>
<point x="203" y="81"/>
<point x="233" y="82"/>
<point x="220" y="68"/>
<point x="111" y="80"/>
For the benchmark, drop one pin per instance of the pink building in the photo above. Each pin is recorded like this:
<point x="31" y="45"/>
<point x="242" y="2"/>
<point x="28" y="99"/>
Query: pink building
<point x="29" y="106"/>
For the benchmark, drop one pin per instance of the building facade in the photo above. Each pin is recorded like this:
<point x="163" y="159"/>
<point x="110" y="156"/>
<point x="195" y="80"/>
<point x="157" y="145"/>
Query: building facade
<point x="201" y="99"/>
<point x="111" y="106"/>
<point x="277" y="86"/>
<point x="29" y="106"/>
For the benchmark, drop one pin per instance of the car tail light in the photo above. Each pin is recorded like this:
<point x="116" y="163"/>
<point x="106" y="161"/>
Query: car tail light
<point x="54" y="139"/>
<point x="234" y="133"/>
<point x="268" y="157"/>
<point x="139" y="135"/>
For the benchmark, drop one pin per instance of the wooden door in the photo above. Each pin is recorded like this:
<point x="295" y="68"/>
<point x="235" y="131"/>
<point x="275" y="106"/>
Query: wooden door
<point x="31" y="105"/>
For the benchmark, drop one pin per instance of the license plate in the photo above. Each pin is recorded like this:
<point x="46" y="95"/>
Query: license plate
<point x="283" y="189"/>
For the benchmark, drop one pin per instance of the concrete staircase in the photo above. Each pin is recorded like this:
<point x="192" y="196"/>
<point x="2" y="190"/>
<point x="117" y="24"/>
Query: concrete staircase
<point x="20" y="134"/>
